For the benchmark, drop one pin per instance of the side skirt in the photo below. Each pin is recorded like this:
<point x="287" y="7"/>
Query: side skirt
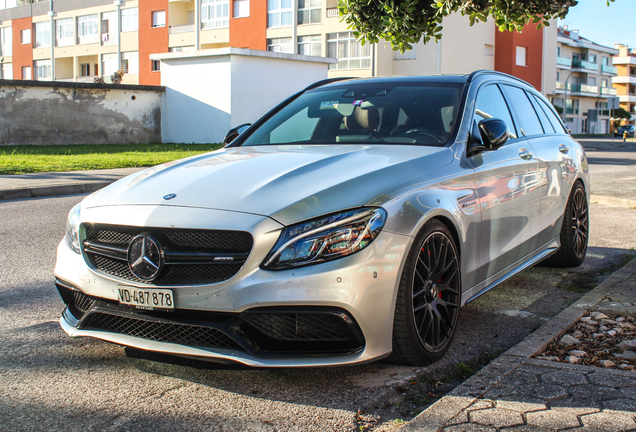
<point x="510" y="271"/>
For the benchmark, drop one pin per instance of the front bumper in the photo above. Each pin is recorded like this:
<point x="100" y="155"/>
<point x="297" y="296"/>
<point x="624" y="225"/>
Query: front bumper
<point x="359" y="289"/>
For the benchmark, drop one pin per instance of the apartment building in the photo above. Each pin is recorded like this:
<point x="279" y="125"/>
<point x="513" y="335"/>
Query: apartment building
<point x="94" y="38"/>
<point x="625" y="81"/>
<point x="584" y="76"/>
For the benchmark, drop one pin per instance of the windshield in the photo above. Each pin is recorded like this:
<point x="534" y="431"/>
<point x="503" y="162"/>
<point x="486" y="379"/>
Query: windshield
<point x="382" y="113"/>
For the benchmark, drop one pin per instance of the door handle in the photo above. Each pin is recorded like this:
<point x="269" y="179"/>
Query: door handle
<point x="563" y="148"/>
<point x="525" y="154"/>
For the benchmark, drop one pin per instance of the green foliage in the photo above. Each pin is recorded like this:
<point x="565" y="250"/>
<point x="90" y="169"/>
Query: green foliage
<point x="406" y="22"/>
<point x="558" y="109"/>
<point x="621" y="113"/>
<point x="463" y="371"/>
<point x="58" y="158"/>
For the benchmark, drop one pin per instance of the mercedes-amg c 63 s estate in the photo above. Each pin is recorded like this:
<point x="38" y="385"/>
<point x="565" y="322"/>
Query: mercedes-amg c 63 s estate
<point x="349" y="224"/>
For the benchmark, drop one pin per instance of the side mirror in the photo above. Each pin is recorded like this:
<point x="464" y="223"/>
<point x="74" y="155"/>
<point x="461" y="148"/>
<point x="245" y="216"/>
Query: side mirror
<point x="235" y="132"/>
<point x="487" y="135"/>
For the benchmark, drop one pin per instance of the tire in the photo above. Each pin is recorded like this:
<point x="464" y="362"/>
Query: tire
<point x="574" y="231"/>
<point x="428" y="298"/>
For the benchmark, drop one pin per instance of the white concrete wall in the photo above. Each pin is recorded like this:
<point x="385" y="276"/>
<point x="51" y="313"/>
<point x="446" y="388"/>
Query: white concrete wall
<point x="261" y="83"/>
<point x="210" y="91"/>
<point x="197" y="104"/>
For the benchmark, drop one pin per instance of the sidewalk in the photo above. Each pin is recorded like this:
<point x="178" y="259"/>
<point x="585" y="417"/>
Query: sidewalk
<point x="64" y="183"/>
<point x="517" y="392"/>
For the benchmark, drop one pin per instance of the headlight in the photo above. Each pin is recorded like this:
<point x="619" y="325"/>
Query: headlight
<point x="72" y="229"/>
<point x="325" y="239"/>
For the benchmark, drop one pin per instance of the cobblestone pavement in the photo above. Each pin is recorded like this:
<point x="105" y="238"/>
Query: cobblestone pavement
<point x="520" y="393"/>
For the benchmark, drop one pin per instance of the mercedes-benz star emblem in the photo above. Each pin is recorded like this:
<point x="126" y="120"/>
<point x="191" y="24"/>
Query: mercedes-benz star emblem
<point x="144" y="257"/>
<point x="169" y="196"/>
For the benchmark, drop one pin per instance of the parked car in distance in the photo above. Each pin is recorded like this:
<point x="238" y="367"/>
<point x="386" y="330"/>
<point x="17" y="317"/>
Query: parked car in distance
<point x="349" y="224"/>
<point x="625" y="129"/>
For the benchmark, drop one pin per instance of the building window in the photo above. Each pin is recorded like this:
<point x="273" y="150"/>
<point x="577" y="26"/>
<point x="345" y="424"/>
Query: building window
<point x="6" y="41"/>
<point x="558" y="51"/>
<point x="64" y="32"/>
<point x="489" y="50"/>
<point x="42" y="69"/>
<point x="6" y="72"/>
<point x="310" y="45"/>
<point x="130" y="62"/>
<point x="592" y="58"/>
<point x="309" y="12"/>
<point x="215" y="14"/>
<point x="25" y="36"/>
<point x="85" y="69"/>
<point x="349" y="52"/>
<point x="604" y="83"/>
<point x="109" y="64"/>
<point x="26" y="73"/>
<point x="521" y="56"/>
<point x="283" y="45"/>
<point x="87" y="29"/>
<point x="42" y="34"/>
<point x="156" y="65"/>
<point x="159" y="18"/>
<point x="605" y="61"/>
<point x="241" y="8"/>
<point x="279" y="13"/>
<point x="130" y="19"/>
<point x="558" y="76"/>
<point x="592" y="81"/>
<point x="109" y="28"/>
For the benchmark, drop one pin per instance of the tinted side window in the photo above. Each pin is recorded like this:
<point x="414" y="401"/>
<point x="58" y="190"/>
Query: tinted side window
<point x="556" y="123"/>
<point x="547" y="126"/>
<point x="530" y="124"/>
<point x="491" y="104"/>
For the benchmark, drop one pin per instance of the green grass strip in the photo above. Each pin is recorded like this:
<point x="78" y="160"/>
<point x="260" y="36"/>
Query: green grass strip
<point x="59" y="158"/>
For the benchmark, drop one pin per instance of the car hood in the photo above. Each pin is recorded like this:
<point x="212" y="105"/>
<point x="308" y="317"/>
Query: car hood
<point x="287" y="183"/>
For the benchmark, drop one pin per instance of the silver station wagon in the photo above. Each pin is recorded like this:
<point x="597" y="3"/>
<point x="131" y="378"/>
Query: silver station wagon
<point x="349" y="224"/>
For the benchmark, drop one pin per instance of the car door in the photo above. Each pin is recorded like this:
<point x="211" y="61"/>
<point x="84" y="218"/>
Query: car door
<point x="557" y="171"/>
<point x="508" y="203"/>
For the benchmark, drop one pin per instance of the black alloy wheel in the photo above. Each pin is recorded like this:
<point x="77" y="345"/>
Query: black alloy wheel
<point x="429" y="298"/>
<point x="574" y="231"/>
<point x="579" y="219"/>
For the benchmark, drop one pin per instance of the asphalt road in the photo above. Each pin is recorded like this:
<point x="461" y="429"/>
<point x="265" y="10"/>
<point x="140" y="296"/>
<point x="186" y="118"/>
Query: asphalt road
<point x="51" y="382"/>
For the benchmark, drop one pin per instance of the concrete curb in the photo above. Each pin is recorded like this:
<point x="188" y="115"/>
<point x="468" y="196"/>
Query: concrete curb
<point x="623" y="202"/>
<point x="47" y="191"/>
<point x="434" y="417"/>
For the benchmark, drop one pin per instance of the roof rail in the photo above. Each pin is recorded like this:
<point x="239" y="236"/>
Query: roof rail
<point x="491" y="72"/>
<point x="325" y="81"/>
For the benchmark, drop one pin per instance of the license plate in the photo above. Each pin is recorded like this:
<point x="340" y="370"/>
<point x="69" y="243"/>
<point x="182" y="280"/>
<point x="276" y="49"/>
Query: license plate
<point x="146" y="298"/>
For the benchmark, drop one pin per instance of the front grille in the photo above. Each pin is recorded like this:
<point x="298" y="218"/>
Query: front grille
<point x="179" y="333"/>
<point x="179" y="269"/>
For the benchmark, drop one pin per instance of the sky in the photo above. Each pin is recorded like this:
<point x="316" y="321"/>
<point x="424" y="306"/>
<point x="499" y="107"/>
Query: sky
<point x="605" y="25"/>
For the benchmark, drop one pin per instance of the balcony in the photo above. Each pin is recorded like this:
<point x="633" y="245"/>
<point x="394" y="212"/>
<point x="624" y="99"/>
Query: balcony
<point x="609" y="70"/>
<point x="564" y="61"/>
<point x="585" y="65"/>
<point x="584" y="88"/>
<point x="578" y="88"/>
<point x="610" y="91"/>
<point x="182" y="28"/>
<point x="332" y="12"/>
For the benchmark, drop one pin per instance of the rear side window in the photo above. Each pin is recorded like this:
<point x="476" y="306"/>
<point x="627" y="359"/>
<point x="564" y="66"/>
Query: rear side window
<point x="527" y="116"/>
<point x="491" y="104"/>
<point x="556" y="123"/>
<point x="547" y="126"/>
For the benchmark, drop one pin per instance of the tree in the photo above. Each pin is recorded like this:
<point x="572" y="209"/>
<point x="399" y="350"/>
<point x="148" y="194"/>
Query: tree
<point x="621" y="113"/>
<point x="406" y="22"/>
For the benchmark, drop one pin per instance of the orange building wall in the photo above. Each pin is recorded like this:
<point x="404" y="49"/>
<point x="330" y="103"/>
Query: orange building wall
<point x="151" y="40"/>
<point x="22" y="54"/>
<point x="250" y="32"/>
<point x="506" y="44"/>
